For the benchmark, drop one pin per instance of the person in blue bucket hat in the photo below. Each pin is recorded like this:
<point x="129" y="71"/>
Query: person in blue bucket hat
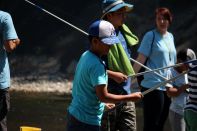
<point x="89" y="89"/>
<point x="114" y="5"/>
<point x="119" y="67"/>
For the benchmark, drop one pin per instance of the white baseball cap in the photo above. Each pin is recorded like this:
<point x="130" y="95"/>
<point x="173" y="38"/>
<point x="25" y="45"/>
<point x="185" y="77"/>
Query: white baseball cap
<point x="191" y="54"/>
<point x="105" y="31"/>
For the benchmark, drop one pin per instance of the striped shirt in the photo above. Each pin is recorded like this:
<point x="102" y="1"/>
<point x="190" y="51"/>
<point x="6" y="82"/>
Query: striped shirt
<point x="192" y="99"/>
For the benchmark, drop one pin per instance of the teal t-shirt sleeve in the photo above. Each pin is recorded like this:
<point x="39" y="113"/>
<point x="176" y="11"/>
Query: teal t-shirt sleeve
<point x="145" y="46"/>
<point x="98" y="75"/>
<point x="9" y="31"/>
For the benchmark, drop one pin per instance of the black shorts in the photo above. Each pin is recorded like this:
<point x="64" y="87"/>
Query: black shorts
<point x="4" y="103"/>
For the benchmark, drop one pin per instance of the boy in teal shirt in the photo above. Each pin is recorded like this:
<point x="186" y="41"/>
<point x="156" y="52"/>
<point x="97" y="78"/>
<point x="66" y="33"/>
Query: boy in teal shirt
<point x="90" y="81"/>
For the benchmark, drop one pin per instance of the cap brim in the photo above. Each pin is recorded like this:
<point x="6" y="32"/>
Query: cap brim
<point x="191" y="54"/>
<point x="128" y="7"/>
<point x="110" y="40"/>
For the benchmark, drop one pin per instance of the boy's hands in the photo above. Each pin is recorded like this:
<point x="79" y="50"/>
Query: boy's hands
<point x="136" y="96"/>
<point x="117" y="76"/>
<point x="109" y="106"/>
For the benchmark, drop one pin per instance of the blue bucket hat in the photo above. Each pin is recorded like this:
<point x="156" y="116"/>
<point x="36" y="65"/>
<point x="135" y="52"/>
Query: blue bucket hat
<point x="114" y="5"/>
<point x="105" y="31"/>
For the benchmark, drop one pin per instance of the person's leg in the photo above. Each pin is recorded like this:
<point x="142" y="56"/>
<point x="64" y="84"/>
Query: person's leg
<point x="108" y="121"/>
<point x="3" y="125"/>
<point x="176" y="121"/>
<point x="165" y="111"/>
<point x="4" y="108"/>
<point x="172" y="119"/>
<point x="127" y="117"/>
<point x="153" y="106"/>
<point x="104" y="121"/>
<point x="75" y="125"/>
<point x="190" y="119"/>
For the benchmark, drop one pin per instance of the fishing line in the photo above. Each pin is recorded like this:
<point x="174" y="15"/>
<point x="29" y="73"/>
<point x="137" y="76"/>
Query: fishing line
<point x="64" y="21"/>
<point x="147" y="69"/>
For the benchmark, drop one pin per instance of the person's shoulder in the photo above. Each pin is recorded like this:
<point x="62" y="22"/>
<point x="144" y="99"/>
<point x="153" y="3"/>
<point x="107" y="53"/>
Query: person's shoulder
<point x="170" y="34"/>
<point x="4" y="15"/>
<point x="124" y="28"/>
<point x="91" y="57"/>
<point x="88" y="54"/>
<point x="149" y="33"/>
<point x="85" y="53"/>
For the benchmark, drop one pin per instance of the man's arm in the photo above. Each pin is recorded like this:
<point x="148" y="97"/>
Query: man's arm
<point x="174" y="91"/>
<point x="117" y="76"/>
<point x="141" y="58"/>
<point x="9" y="35"/>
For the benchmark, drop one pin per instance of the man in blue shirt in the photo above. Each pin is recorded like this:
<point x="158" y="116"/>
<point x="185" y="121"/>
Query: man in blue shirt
<point x="90" y="82"/>
<point x="8" y="42"/>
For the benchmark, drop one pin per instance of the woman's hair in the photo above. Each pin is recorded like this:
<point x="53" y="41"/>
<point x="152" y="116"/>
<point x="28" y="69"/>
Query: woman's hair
<point x="165" y="12"/>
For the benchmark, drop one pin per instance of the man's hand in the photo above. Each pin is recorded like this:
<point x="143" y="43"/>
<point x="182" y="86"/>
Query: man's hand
<point x="117" y="76"/>
<point x="109" y="106"/>
<point x="16" y="41"/>
<point x="136" y="96"/>
<point x="10" y="45"/>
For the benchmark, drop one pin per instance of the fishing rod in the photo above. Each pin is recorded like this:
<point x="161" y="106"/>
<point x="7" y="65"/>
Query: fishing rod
<point x="153" y="88"/>
<point x="147" y="69"/>
<point x="64" y="21"/>
<point x="167" y="81"/>
<point x="162" y="68"/>
<point x="164" y="83"/>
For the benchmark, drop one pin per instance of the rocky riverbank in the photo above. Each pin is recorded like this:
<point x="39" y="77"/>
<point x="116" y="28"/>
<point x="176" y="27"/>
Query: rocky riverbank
<point x="41" y="86"/>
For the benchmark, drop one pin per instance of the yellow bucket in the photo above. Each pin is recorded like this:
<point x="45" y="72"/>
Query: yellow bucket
<point x="27" y="128"/>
